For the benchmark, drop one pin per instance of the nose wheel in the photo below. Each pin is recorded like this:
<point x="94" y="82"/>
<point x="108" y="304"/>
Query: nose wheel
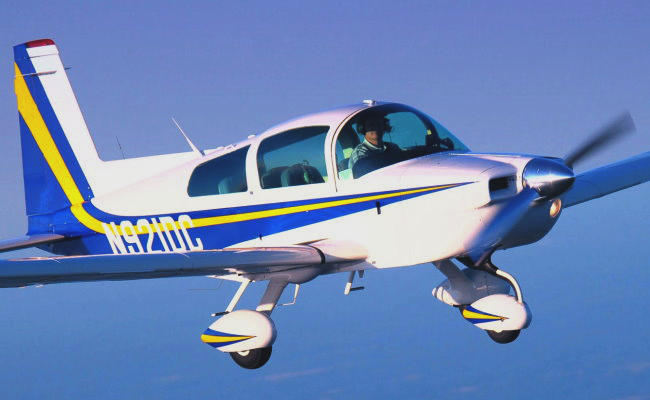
<point x="252" y="359"/>
<point x="504" y="337"/>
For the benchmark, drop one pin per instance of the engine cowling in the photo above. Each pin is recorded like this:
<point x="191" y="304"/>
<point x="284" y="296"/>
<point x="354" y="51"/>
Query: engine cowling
<point x="498" y="312"/>
<point x="240" y="330"/>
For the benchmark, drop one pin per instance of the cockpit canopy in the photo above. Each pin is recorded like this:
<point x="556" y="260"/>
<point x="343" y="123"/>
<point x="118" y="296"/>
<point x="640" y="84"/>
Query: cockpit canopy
<point x="387" y="134"/>
<point x="299" y="152"/>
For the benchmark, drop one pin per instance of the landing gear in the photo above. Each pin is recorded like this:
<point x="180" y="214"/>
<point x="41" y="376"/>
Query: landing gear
<point x="252" y="359"/>
<point x="247" y="335"/>
<point x="504" y="337"/>
<point x="481" y="294"/>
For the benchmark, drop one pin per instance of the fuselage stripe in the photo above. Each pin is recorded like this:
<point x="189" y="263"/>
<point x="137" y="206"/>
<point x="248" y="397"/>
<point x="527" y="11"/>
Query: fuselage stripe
<point x="225" y="219"/>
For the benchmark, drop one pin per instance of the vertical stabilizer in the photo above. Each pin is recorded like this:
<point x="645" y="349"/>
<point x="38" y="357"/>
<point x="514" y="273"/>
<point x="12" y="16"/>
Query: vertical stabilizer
<point x="56" y="145"/>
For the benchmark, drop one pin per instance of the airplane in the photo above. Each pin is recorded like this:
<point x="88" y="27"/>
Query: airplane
<point x="304" y="198"/>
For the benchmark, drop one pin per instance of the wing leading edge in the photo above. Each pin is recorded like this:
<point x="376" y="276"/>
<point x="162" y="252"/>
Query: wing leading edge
<point x="608" y="179"/>
<point x="29" y="271"/>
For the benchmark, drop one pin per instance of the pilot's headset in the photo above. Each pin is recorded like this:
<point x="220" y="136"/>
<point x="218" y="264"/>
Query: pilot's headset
<point x="361" y="123"/>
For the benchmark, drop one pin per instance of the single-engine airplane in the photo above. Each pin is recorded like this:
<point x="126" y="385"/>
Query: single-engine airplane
<point x="343" y="190"/>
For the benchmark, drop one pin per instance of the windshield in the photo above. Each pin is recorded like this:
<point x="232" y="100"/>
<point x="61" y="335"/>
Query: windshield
<point x="385" y="135"/>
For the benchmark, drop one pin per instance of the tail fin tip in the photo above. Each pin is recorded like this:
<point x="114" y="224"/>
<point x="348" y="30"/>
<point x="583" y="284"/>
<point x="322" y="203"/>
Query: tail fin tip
<point x="39" y="43"/>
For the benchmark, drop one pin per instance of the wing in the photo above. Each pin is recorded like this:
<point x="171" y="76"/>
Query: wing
<point x="609" y="179"/>
<point x="29" y="241"/>
<point x="260" y="260"/>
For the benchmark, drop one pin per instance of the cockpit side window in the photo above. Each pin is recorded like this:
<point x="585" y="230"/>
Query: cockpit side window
<point x="385" y="135"/>
<point x="347" y="141"/>
<point x="222" y="175"/>
<point x="292" y="158"/>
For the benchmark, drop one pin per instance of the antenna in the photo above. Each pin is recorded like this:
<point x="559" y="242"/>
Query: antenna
<point x="194" y="148"/>
<point x="120" y="146"/>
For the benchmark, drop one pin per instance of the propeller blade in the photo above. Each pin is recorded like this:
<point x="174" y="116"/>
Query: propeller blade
<point x="614" y="130"/>
<point x="501" y="225"/>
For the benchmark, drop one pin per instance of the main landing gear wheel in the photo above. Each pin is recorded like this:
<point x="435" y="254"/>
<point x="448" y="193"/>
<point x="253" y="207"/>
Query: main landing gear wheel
<point x="503" y="337"/>
<point x="252" y="359"/>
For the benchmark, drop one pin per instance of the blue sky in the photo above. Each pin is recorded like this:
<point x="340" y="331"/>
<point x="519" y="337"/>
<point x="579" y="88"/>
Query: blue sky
<point x="502" y="76"/>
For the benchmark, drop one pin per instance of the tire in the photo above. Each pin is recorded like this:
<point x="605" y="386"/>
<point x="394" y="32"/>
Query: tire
<point x="503" y="337"/>
<point x="252" y="359"/>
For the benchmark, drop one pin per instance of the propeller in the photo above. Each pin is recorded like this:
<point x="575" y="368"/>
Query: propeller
<point x="543" y="178"/>
<point x="614" y="130"/>
<point x="551" y="177"/>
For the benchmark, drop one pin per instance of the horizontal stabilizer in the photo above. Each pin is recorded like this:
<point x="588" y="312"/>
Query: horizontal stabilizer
<point x="609" y="179"/>
<point x="29" y="271"/>
<point x="29" y="241"/>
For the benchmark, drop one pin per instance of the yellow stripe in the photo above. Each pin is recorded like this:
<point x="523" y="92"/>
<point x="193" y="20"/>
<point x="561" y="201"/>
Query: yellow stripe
<point x="222" y="339"/>
<point x="87" y="219"/>
<point x="473" y="315"/>
<point x="32" y="117"/>
<point x="225" y="219"/>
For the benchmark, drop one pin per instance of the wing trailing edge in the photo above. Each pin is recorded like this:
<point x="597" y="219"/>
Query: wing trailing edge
<point x="29" y="241"/>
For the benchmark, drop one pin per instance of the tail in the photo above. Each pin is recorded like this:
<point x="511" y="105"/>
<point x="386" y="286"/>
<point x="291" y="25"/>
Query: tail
<point x="56" y="144"/>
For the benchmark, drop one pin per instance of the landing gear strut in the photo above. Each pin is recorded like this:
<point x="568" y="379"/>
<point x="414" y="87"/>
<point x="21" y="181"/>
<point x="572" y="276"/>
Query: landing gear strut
<point x="490" y="268"/>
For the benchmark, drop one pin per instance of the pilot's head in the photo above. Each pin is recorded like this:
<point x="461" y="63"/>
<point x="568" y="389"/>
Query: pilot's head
<point x="373" y="128"/>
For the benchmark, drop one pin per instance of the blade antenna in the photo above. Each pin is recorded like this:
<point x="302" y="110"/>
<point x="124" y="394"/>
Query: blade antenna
<point x="120" y="146"/>
<point x="194" y="148"/>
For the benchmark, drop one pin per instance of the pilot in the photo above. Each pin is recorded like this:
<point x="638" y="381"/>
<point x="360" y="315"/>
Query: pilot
<point x="373" y="153"/>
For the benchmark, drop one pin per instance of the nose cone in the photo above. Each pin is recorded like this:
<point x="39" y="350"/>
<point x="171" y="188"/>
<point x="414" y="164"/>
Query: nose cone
<point x="548" y="177"/>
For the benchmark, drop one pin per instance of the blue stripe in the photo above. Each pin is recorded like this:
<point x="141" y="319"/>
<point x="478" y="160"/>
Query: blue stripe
<point x="221" y="344"/>
<point x="480" y="321"/>
<point x="20" y="54"/>
<point x="217" y="333"/>
<point x="223" y="235"/>
<point x="104" y="216"/>
<point x="211" y="332"/>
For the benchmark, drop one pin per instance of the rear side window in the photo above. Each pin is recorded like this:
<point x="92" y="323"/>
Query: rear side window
<point x="291" y="158"/>
<point x="222" y="175"/>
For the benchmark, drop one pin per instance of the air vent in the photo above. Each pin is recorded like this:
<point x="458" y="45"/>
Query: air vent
<point x="501" y="183"/>
<point x="502" y="187"/>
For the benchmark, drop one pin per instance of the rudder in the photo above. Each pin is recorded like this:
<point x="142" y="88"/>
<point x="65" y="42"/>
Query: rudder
<point x="56" y="144"/>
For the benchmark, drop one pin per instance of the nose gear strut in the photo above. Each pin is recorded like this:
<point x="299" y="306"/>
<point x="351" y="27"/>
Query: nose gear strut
<point x="484" y="303"/>
<point x="487" y="266"/>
